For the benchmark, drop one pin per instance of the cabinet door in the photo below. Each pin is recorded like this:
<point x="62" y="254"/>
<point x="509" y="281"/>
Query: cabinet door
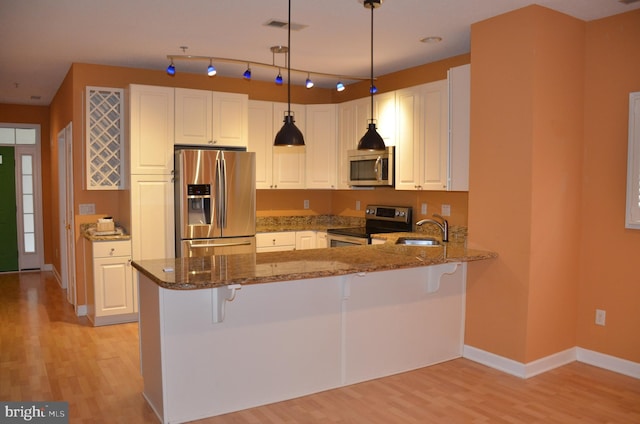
<point x="321" y="240"/>
<point x="435" y="152"/>
<point x="459" y="116"/>
<point x="260" y="141"/>
<point x="152" y="129"/>
<point x="305" y="240"/>
<point x="230" y="121"/>
<point x="152" y="219"/>
<point x="321" y="146"/>
<point x="113" y="286"/>
<point x="385" y="114"/>
<point x="193" y="112"/>
<point x="409" y="140"/>
<point x="353" y="117"/>
<point x="288" y="162"/>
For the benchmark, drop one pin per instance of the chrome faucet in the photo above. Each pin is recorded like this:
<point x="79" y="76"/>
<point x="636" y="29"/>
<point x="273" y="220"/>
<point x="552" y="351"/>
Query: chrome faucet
<point x="444" y="225"/>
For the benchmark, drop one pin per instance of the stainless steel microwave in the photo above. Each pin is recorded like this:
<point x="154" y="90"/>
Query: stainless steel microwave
<point x="371" y="167"/>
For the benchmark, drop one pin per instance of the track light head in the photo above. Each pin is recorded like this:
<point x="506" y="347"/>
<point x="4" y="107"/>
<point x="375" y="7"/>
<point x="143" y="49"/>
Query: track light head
<point x="211" y="70"/>
<point x="171" y="69"/>
<point x="308" y="83"/>
<point x="340" y="86"/>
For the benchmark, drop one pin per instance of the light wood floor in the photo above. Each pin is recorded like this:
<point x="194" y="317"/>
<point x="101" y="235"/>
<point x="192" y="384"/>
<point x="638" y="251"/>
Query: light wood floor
<point x="48" y="354"/>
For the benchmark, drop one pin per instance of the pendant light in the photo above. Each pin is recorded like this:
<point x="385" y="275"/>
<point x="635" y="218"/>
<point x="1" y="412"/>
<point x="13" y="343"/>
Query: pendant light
<point x="371" y="140"/>
<point x="289" y="134"/>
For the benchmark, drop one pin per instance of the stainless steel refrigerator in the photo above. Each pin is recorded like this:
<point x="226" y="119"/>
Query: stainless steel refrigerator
<point x="215" y="202"/>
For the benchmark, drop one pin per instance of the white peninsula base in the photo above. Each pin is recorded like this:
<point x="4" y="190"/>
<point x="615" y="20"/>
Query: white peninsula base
<point x="203" y="356"/>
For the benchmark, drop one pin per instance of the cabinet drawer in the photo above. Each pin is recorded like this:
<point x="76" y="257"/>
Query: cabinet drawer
<point x="284" y="238"/>
<point x="105" y="249"/>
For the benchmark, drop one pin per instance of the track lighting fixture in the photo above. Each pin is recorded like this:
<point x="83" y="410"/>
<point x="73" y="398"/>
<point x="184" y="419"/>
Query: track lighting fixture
<point x="371" y="140"/>
<point x="211" y="70"/>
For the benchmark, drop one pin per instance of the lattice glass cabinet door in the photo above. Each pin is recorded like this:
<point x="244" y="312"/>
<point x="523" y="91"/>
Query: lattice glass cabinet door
<point x="105" y="164"/>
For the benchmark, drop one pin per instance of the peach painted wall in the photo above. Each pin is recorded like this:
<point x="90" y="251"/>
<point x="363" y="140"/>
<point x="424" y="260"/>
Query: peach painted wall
<point x="609" y="270"/>
<point x="525" y="162"/>
<point x="343" y="202"/>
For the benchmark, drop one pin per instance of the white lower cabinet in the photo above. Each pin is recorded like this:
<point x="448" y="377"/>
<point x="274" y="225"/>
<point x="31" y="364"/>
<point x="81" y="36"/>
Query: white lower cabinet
<point x="111" y="295"/>
<point x="321" y="240"/>
<point x="276" y="241"/>
<point x="305" y="240"/>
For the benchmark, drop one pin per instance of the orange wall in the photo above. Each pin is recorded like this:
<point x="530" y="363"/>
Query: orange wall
<point x="609" y="271"/>
<point x="547" y="185"/>
<point x="526" y="131"/>
<point x="343" y="202"/>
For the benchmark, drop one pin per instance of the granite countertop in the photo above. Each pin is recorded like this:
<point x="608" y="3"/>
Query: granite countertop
<point x="267" y="267"/>
<point x="91" y="233"/>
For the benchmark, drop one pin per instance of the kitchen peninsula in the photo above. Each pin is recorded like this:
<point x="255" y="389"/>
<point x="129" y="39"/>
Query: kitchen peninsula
<point x="224" y="333"/>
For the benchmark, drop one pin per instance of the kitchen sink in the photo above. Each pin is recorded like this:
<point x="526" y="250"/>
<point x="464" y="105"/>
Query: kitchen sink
<point x="418" y="241"/>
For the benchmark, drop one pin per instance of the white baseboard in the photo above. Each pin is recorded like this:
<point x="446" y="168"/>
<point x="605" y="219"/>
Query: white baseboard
<point x="518" y="369"/>
<point x="608" y="362"/>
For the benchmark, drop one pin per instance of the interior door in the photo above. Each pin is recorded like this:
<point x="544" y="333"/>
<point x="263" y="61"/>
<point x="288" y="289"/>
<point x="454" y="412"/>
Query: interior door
<point x="8" y="207"/>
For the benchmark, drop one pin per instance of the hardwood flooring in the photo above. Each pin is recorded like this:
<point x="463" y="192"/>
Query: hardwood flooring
<point x="49" y="354"/>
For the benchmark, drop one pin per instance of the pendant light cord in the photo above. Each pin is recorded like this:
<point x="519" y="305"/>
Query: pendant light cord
<point x="371" y="82"/>
<point x="289" y="63"/>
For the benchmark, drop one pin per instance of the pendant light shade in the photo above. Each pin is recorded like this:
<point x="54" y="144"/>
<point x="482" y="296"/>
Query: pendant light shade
<point x="289" y="134"/>
<point x="371" y="140"/>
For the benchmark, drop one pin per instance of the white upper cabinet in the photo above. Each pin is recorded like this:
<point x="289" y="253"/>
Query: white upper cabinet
<point x="288" y="162"/>
<point x="260" y="141"/>
<point x="353" y="117"/>
<point x="211" y="118"/>
<point x="151" y="111"/>
<point x="384" y="106"/>
<point x="321" y="146"/>
<point x="422" y="150"/>
<point x="459" y="117"/>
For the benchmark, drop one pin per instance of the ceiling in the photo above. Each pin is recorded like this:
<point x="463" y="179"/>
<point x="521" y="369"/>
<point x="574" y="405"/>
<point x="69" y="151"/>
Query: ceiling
<point x="42" y="38"/>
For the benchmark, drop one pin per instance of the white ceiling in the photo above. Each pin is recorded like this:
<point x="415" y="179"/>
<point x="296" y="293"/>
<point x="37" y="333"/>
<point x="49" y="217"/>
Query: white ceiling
<point x="41" y="38"/>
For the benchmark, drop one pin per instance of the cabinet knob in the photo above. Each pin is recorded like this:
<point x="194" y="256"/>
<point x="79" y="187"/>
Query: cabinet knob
<point x="112" y="251"/>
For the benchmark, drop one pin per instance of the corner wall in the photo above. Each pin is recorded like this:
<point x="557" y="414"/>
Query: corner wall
<point x="525" y="164"/>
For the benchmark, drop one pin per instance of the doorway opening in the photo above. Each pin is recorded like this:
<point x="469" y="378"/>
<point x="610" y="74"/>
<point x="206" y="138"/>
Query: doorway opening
<point x="21" y="187"/>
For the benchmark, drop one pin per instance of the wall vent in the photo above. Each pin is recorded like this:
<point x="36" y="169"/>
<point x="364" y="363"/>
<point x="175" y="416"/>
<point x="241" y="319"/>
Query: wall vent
<point x="275" y="23"/>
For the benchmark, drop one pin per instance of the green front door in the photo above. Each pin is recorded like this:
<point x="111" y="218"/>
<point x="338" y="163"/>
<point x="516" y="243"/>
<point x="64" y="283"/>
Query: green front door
<point x="8" y="223"/>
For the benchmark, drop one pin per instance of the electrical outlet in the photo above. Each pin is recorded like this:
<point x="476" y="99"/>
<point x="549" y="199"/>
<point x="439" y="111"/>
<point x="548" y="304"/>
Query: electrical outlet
<point x="306" y="204"/>
<point x="357" y="205"/>
<point x="601" y="316"/>
<point x="423" y="209"/>
<point x="446" y="210"/>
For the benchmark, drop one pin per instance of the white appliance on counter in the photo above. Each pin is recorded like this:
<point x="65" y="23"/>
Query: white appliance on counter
<point x="215" y="202"/>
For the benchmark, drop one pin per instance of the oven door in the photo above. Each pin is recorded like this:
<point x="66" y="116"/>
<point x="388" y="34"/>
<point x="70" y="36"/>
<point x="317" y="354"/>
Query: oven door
<point x="337" y="240"/>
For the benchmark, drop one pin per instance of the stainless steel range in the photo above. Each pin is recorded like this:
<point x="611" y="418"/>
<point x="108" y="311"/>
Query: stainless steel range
<point x="378" y="219"/>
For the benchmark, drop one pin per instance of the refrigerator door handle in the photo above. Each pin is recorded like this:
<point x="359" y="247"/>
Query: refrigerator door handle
<point x="219" y="187"/>
<point x="194" y="245"/>
<point x="224" y="191"/>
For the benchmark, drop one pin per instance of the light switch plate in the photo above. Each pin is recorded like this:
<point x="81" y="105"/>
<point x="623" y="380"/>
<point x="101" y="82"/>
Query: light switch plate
<point x="306" y="204"/>
<point x="446" y="210"/>
<point x="423" y="209"/>
<point x="357" y="205"/>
